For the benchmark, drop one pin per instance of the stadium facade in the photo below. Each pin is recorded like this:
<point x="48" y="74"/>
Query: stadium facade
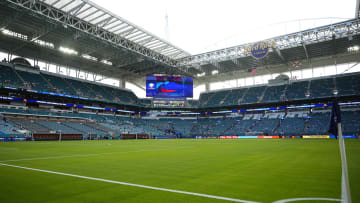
<point x="38" y="104"/>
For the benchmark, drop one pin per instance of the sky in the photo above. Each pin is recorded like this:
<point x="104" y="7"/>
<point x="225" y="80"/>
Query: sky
<point x="198" y="26"/>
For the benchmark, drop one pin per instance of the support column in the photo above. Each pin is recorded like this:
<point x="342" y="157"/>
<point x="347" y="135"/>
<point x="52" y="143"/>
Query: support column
<point x="122" y="83"/>
<point x="207" y="87"/>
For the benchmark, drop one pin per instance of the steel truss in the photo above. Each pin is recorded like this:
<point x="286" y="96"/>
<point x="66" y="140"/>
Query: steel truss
<point x="302" y="38"/>
<point x="90" y="18"/>
<point x="357" y="9"/>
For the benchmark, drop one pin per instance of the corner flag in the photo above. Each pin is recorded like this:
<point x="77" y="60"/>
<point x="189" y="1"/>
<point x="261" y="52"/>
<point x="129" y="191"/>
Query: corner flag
<point x="335" y="118"/>
<point x="335" y="129"/>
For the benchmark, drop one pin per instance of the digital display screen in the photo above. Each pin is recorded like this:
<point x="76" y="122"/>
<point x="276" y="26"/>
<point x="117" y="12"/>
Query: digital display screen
<point x="169" y="86"/>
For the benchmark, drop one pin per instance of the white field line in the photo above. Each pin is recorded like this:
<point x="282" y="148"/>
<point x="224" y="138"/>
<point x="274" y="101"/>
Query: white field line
<point x="307" y="199"/>
<point x="86" y="155"/>
<point x="8" y="149"/>
<point x="82" y="143"/>
<point x="343" y="194"/>
<point x="132" y="184"/>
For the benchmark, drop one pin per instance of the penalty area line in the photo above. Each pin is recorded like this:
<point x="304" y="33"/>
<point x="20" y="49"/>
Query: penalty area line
<point x="131" y="184"/>
<point x="88" y="155"/>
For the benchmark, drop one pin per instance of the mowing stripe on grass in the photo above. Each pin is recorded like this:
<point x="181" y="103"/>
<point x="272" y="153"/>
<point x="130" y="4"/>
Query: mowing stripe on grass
<point x="87" y="155"/>
<point x="131" y="184"/>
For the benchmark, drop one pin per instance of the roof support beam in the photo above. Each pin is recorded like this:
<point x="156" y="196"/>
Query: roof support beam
<point x="119" y="29"/>
<point x="350" y="67"/>
<point x="216" y="64"/>
<point x="100" y="79"/>
<point x="145" y="41"/>
<point x="55" y="2"/>
<point x="106" y="22"/>
<point x="94" y="77"/>
<point x="128" y="32"/>
<point x="114" y="26"/>
<point x="96" y="17"/>
<point x="278" y="52"/>
<point x="175" y="55"/>
<point x="138" y="37"/>
<point x="135" y="35"/>
<point x="139" y="86"/>
<point x="357" y="11"/>
<point x="10" y="19"/>
<point x="151" y="43"/>
<point x="78" y="12"/>
<point x="162" y="48"/>
<point x="143" y="67"/>
<point x="235" y="62"/>
<point x="44" y="32"/>
<point x="125" y="30"/>
<point x="76" y="9"/>
<point x="126" y="62"/>
<point x="122" y="29"/>
<point x="170" y="51"/>
<point x="90" y="14"/>
<point x="334" y="45"/>
<point x="306" y="51"/>
<point x="141" y="38"/>
<point x="154" y="45"/>
<point x="70" y="2"/>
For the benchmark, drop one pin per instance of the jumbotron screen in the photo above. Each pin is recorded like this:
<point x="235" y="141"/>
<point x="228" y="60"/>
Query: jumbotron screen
<point x="169" y="86"/>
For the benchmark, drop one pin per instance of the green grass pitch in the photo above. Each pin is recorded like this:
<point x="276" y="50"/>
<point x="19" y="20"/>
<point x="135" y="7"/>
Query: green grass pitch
<point x="254" y="170"/>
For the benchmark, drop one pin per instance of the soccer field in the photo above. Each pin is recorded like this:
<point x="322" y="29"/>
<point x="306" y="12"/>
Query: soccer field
<point x="175" y="170"/>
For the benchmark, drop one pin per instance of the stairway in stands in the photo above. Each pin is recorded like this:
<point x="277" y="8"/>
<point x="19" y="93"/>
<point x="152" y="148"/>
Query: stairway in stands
<point x="262" y="95"/>
<point x="283" y="95"/>
<point x="19" y="76"/>
<point x="255" y="123"/>
<point x="240" y="100"/>
<point x="193" y="128"/>
<point x="49" y="84"/>
<point x="75" y="129"/>
<point x="30" y="126"/>
<point x="70" y="86"/>
<point x="209" y="99"/>
<point x="307" y="121"/>
<point x="225" y="97"/>
<point x="229" y="128"/>
<point x="279" y="124"/>
<point x="98" y="127"/>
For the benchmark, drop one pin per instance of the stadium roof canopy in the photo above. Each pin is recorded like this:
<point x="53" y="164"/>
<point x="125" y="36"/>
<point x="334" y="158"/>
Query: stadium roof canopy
<point x="320" y="43"/>
<point x="104" y="19"/>
<point x="90" y="30"/>
<point x="133" y="52"/>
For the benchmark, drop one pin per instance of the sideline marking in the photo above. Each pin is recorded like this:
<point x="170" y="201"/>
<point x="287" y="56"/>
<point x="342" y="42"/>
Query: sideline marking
<point x="86" y="155"/>
<point x="132" y="184"/>
<point x="307" y="199"/>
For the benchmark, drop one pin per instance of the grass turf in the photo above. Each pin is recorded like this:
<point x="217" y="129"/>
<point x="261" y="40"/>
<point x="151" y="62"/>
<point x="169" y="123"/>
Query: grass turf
<point x="254" y="170"/>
